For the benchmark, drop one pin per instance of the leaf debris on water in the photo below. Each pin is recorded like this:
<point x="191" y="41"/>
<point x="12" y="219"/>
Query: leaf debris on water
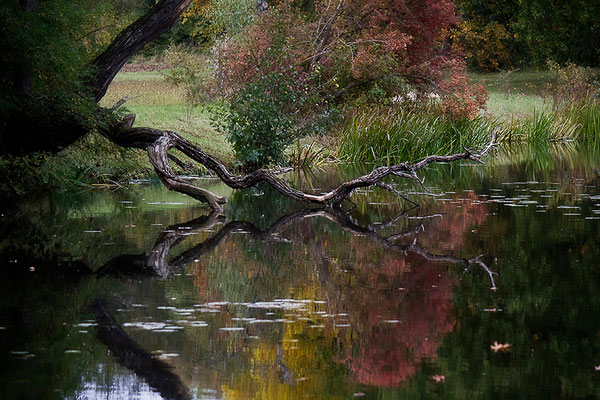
<point x="500" y="347"/>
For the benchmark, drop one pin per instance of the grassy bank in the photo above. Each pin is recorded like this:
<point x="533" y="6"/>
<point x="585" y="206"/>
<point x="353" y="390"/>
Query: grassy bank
<point x="161" y="105"/>
<point x="95" y="160"/>
<point x="521" y="105"/>
<point x="518" y="105"/>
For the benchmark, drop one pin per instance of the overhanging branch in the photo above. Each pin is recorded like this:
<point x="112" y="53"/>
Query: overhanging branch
<point x="158" y="143"/>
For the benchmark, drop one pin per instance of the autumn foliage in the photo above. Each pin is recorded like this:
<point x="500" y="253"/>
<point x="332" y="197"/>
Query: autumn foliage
<point x="346" y="49"/>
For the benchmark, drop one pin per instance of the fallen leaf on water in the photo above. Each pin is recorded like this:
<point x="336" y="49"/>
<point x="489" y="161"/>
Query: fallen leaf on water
<point x="499" y="346"/>
<point x="438" y="378"/>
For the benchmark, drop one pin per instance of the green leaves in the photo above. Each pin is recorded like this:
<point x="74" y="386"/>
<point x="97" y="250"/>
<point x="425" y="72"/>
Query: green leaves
<point x="259" y="124"/>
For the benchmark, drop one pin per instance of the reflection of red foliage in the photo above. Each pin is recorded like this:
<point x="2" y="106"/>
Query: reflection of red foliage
<point x="412" y="290"/>
<point x="390" y="352"/>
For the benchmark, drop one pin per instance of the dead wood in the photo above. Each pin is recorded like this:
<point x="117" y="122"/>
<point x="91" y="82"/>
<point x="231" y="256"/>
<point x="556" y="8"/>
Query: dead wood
<point x="158" y="143"/>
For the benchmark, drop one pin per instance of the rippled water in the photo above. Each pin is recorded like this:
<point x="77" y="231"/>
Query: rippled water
<point x="488" y="290"/>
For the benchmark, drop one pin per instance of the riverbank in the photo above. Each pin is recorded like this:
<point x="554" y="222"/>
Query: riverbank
<point x="519" y="103"/>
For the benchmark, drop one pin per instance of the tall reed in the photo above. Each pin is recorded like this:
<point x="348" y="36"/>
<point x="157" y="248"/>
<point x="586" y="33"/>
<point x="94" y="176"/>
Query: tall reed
<point x="393" y="137"/>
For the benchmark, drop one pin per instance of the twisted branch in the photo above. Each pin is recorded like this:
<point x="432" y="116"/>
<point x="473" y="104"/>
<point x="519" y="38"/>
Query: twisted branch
<point x="158" y="143"/>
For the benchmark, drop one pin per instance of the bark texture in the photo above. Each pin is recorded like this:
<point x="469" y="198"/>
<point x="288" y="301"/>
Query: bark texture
<point x="155" y="22"/>
<point x="158" y="143"/>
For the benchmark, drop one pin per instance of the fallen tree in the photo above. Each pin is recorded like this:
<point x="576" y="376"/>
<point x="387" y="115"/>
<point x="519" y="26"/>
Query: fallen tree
<point x="159" y="143"/>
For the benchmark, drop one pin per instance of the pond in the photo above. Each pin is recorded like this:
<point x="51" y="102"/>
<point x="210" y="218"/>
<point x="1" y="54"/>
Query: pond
<point x="489" y="289"/>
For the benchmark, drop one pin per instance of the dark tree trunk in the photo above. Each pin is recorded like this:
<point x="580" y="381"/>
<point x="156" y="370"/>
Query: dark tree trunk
<point x="155" y="22"/>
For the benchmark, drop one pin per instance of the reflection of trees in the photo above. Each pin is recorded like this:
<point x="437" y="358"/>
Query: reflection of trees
<point x="156" y="372"/>
<point x="402" y="306"/>
<point x="157" y="260"/>
<point x="384" y="353"/>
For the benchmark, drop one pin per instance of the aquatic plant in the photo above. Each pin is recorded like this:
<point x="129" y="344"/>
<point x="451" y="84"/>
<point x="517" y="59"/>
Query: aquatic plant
<point x="391" y="137"/>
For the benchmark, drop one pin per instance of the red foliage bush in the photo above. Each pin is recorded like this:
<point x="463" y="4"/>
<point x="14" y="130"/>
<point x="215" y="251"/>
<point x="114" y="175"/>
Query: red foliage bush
<point x="345" y="48"/>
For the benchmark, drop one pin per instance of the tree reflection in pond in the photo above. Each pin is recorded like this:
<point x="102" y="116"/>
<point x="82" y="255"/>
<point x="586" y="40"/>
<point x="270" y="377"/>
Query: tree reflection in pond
<point x="314" y="304"/>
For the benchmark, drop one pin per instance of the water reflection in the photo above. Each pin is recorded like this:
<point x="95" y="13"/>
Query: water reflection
<point x="156" y="372"/>
<point x="392" y="338"/>
<point x="308" y="303"/>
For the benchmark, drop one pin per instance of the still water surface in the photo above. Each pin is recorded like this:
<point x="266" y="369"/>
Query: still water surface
<point x="490" y="289"/>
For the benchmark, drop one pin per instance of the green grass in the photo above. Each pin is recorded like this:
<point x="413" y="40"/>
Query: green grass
<point x="391" y="138"/>
<point x="95" y="160"/>
<point x="517" y="94"/>
<point x="517" y="82"/>
<point x="142" y="76"/>
<point x="515" y="106"/>
<point x="160" y="105"/>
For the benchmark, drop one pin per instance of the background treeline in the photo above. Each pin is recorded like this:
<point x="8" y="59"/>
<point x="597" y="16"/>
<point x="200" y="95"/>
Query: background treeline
<point x="493" y="34"/>
<point x="506" y="34"/>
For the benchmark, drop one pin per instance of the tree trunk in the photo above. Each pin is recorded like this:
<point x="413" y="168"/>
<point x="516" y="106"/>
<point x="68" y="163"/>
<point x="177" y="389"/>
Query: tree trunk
<point x="155" y="22"/>
<point x="23" y="79"/>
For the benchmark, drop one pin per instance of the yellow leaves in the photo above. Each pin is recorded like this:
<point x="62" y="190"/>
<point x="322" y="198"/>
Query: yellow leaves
<point x="196" y="8"/>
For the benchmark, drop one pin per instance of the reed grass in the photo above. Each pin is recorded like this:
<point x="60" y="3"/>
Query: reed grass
<point x="391" y="138"/>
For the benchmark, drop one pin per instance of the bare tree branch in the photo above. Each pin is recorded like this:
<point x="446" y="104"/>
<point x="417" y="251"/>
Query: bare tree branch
<point x="158" y="143"/>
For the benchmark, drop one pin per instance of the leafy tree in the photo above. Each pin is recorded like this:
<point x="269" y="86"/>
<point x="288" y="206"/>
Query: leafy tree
<point x="344" y="51"/>
<point x="507" y="33"/>
<point x="562" y="31"/>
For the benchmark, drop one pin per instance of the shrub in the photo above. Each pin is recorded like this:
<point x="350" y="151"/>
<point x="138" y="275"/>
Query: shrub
<point x="260" y="120"/>
<point x="486" y="46"/>
<point x="573" y="85"/>
<point x="192" y="73"/>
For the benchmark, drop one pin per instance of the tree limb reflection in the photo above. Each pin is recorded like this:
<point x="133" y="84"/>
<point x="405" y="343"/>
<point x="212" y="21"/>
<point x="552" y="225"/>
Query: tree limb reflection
<point x="157" y="373"/>
<point x="157" y="262"/>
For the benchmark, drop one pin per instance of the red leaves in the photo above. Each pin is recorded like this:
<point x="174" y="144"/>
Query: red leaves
<point x="357" y="43"/>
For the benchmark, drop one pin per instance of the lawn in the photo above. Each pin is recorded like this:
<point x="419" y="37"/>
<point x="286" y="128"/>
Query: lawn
<point x="516" y="94"/>
<point x="160" y="105"/>
<point x="513" y="95"/>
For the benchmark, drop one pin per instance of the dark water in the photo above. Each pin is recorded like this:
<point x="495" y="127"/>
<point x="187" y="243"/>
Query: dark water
<point x="490" y="289"/>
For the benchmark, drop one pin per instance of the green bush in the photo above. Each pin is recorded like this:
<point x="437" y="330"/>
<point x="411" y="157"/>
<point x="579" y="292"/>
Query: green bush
<point x="260" y="121"/>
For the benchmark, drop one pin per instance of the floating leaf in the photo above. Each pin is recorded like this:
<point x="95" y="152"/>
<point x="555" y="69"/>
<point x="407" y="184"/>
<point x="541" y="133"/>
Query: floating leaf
<point x="500" y="347"/>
